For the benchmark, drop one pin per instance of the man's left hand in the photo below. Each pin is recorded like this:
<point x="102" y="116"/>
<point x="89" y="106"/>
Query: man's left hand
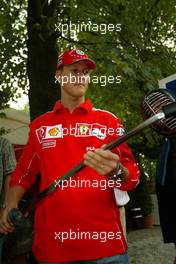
<point x="103" y="161"/>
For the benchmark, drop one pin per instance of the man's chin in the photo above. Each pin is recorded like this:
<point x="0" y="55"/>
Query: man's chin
<point x="79" y="86"/>
<point x="78" y="95"/>
<point x="79" y="90"/>
<point x="76" y="91"/>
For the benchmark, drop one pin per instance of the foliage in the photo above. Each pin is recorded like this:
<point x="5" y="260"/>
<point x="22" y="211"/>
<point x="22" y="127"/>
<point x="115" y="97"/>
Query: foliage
<point x="13" y="36"/>
<point x="140" y="52"/>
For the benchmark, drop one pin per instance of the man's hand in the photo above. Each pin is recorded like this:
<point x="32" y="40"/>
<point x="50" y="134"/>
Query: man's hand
<point x="103" y="161"/>
<point x="106" y="163"/>
<point x="5" y="225"/>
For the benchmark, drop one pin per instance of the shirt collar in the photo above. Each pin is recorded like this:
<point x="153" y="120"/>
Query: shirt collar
<point x="86" y="106"/>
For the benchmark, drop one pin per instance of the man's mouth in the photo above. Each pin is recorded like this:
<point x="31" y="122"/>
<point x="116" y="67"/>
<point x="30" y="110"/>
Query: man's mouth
<point x="80" y="84"/>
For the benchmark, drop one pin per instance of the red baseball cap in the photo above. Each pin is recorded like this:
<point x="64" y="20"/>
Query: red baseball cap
<point x="74" y="55"/>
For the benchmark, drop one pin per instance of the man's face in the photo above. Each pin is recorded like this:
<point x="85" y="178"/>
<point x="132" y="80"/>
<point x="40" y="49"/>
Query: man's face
<point x="74" y="79"/>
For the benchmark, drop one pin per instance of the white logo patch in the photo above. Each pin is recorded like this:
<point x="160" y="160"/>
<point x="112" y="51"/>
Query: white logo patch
<point x="48" y="132"/>
<point x="97" y="133"/>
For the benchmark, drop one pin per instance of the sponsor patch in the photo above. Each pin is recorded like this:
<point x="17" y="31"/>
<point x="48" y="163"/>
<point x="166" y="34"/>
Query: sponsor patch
<point x="89" y="148"/>
<point x="83" y="129"/>
<point x="48" y="132"/>
<point x="87" y="130"/>
<point x="49" y="144"/>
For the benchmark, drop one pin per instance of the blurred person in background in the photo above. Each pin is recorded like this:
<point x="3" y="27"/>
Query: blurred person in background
<point x="7" y="166"/>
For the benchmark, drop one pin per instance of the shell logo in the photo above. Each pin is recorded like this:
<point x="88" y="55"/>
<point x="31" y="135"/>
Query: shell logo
<point x="53" y="131"/>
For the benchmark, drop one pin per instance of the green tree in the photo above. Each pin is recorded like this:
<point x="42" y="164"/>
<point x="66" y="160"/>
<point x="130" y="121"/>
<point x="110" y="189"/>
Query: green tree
<point x="13" y="56"/>
<point x="141" y="52"/>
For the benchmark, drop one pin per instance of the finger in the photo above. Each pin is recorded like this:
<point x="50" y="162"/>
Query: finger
<point x="107" y="154"/>
<point x="88" y="155"/>
<point x="100" y="168"/>
<point x="109" y="159"/>
<point x="6" y="226"/>
<point x="103" y="146"/>
<point x="92" y="157"/>
<point x="5" y="222"/>
<point x="9" y="221"/>
<point x="2" y="232"/>
<point x="95" y="160"/>
<point x="101" y="156"/>
<point x="93" y="163"/>
<point x="4" y="229"/>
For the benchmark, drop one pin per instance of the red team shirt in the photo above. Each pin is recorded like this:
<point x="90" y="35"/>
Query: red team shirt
<point x="78" y="221"/>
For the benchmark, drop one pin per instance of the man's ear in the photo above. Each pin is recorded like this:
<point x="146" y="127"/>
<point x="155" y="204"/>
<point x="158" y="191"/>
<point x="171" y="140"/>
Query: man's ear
<point x="90" y="71"/>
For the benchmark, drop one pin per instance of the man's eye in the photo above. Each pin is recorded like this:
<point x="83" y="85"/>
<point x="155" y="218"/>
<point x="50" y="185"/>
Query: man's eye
<point x="75" y="71"/>
<point x="86" y="71"/>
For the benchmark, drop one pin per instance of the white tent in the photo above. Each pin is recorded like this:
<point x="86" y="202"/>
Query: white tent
<point x="17" y="122"/>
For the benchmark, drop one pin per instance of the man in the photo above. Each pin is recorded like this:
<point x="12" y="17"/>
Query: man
<point x="79" y="222"/>
<point x="7" y="166"/>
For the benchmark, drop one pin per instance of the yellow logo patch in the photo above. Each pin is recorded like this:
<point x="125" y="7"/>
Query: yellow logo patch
<point x="53" y="131"/>
<point x="83" y="129"/>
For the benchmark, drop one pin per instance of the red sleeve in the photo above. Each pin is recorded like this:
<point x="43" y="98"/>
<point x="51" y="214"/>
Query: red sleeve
<point x="27" y="166"/>
<point x="126" y="158"/>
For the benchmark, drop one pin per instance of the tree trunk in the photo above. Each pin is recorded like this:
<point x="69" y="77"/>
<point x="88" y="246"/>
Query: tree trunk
<point x="42" y="56"/>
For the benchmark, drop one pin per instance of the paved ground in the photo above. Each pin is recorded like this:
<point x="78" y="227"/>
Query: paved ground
<point x="146" y="247"/>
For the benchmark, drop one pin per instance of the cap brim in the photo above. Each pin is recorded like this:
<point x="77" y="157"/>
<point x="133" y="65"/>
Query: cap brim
<point x="91" y="64"/>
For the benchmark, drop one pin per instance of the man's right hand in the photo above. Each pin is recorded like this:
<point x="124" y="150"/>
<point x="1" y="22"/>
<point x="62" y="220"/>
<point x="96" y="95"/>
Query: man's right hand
<point x="12" y="199"/>
<point x="5" y="225"/>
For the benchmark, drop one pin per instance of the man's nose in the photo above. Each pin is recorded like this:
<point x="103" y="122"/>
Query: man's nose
<point x="82" y="78"/>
